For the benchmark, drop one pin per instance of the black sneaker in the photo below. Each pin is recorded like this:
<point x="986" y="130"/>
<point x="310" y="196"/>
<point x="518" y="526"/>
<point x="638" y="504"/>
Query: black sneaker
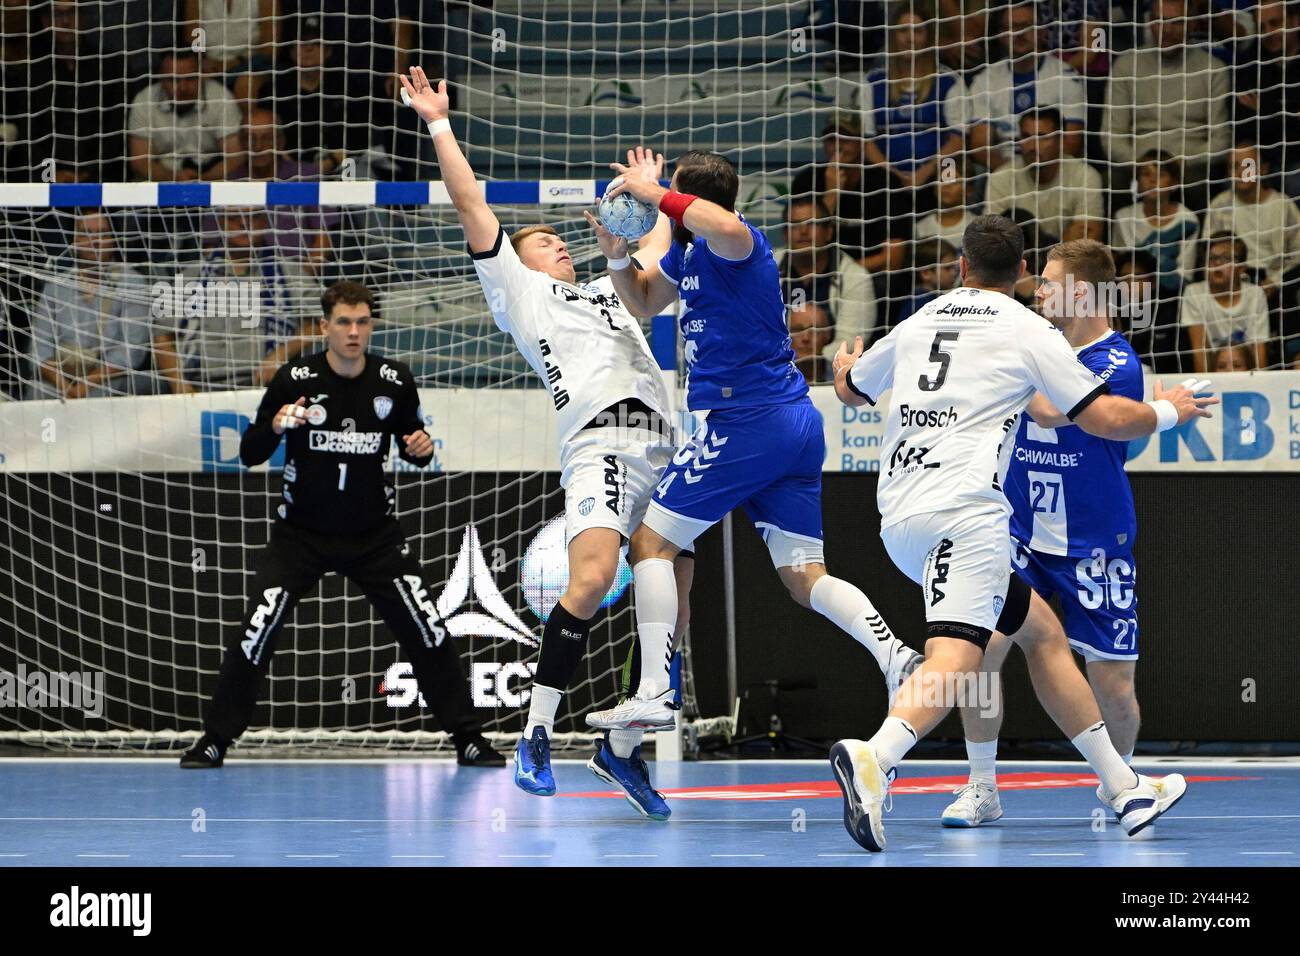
<point x="477" y="751"/>
<point x="207" y="754"/>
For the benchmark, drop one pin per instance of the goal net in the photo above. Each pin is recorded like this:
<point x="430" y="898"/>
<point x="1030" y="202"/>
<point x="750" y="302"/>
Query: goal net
<point x="175" y="196"/>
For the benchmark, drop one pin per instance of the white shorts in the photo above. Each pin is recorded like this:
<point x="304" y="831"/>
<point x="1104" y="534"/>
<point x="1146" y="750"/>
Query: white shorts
<point x="962" y="560"/>
<point x="609" y="476"/>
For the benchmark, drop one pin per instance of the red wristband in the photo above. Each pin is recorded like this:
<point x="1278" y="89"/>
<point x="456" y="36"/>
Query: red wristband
<point x="674" y="204"/>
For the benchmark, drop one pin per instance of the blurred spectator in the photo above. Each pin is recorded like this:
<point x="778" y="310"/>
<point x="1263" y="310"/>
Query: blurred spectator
<point x="1233" y="358"/>
<point x="91" y="322"/>
<point x="78" y="98"/>
<point x="238" y="39"/>
<point x="16" y="23"/>
<point x="309" y="92"/>
<point x="1159" y="223"/>
<point x="934" y="271"/>
<point x="1168" y="95"/>
<point x="1063" y="195"/>
<point x="1267" y="221"/>
<point x="1026" y="79"/>
<point x="183" y="127"/>
<point x="871" y="220"/>
<point x="1149" y="319"/>
<point x="822" y="282"/>
<point x="1224" y="309"/>
<point x="299" y="231"/>
<point x="913" y="112"/>
<point x="1267" y="84"/>
<point x="1073" y="26"/>
<point x="962" y="35"/>
<point x="851" y="27"/>
<point x="956" y="208"/>
<point x="811" y="336"/>
<point x="252" y="316"/>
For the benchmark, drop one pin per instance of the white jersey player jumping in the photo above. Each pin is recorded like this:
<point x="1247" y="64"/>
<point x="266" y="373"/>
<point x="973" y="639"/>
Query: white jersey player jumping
<point x="612" y="409"/>
<point x="962" y="370"/>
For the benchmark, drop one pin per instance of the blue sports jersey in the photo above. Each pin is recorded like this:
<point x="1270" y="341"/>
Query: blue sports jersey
<point x="1067" y="489"/>
<point x="738" y="351"/>
<point x="910" y="133"/>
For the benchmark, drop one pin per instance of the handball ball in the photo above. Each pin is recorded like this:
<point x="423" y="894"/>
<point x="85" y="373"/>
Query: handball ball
<point x="544" y="570"/>
<point x="626" y="216"/>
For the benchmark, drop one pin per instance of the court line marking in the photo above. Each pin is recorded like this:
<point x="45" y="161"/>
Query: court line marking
<point x="11" y="855"/>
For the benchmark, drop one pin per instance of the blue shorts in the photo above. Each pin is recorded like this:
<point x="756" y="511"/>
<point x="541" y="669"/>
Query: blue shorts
<point x="1098" y="597"/>
<point x="766" y="459"/>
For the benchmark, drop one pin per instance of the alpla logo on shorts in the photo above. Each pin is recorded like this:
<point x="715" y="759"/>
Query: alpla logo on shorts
<point x="942" y="555"/>
<point x="585" y="506"/>
<point x="956" y="311"/>
<point x="265" y="617"/>
<point x="389" y="374"/>
<point x="911" y="416"/>
<point x="422" y="609"/>
<point x="613" y="482"/>
<point x="383" y="405"/>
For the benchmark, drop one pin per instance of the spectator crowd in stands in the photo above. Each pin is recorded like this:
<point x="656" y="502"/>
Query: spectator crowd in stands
<point x="1169" y="129"/>
<point x="1178" y="145"/>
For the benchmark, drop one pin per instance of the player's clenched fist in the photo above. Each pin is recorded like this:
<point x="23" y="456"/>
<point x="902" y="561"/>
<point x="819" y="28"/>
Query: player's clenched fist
<point x="418" y="444"/>
<point x="290" y="416"/>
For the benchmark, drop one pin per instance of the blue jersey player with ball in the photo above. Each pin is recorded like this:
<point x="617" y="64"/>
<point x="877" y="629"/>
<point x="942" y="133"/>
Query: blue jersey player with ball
<point x="762" y="444"/>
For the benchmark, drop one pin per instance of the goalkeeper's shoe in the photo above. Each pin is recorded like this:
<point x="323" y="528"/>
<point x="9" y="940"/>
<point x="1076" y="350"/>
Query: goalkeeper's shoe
<point x="865" y="789"/>
<point x="533" y="764"/>
<point x="1140" y="806"/>
<point x="477" y="751"/>
<point x="976" y="803"/>
<point x="632" y="776"/>
<point x="902" y="661"/>
<point x="636" y="713"/>
<point x="208" y="753"/>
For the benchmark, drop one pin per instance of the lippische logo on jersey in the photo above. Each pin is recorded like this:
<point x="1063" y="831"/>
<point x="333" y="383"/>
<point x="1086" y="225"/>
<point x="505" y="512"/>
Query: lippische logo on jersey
<point x="957" y="311"/>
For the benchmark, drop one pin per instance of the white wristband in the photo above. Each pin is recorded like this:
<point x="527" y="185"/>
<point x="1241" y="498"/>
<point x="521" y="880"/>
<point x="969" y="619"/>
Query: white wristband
<point x="616" y="264"/>
<point x="439" y="126"/>
<point x="1166" y="414"/>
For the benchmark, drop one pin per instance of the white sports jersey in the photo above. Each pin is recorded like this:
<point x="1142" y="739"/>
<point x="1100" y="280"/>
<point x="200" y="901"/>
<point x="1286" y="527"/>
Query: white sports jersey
<point x="962" y="369"/>
<point x="579" y="339"/>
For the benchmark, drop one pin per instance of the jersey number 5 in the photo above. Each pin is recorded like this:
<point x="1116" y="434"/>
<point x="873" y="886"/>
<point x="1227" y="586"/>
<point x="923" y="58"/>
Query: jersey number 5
<point x="937" y="354"/>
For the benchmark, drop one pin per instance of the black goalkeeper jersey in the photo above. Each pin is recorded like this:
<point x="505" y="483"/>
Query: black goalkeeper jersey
<point x="335" y="481"/>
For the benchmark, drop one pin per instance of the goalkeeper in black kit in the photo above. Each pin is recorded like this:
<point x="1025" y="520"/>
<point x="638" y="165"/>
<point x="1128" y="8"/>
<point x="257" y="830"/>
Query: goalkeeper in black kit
<point x="340" y="410"/>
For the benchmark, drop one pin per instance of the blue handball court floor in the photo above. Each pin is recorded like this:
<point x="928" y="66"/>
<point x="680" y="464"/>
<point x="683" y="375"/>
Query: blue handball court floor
<point x="412" y="812"/>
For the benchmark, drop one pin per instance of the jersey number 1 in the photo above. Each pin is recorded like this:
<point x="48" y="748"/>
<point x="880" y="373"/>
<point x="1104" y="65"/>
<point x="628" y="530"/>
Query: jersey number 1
<point x="937" y="354"/>
<point x="343" y="475"/>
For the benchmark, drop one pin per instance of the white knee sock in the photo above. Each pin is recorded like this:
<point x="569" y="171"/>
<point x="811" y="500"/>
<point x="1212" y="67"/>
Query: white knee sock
<point x="623" y="742"/>
<point x="542" y="705"/>
<point x="983" y="759"/>
<point x="656" y="614"/>
<point x="1128" y="758"/>
<point x="850" y="610"/>
<point x="892" y="741"/>
<point x="1094" y="743"/>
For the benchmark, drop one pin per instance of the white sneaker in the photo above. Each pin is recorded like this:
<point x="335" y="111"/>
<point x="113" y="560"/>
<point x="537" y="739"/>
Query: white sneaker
<point x="1138" y="808"/>
<point x="865" y="789"/>
<point x="635" y="713"/>
<point x="902" y="661"/>
<point x="976" y="803"/>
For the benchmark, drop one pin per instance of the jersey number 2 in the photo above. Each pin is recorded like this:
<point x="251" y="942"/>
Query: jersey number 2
<point x="937" y="354"/>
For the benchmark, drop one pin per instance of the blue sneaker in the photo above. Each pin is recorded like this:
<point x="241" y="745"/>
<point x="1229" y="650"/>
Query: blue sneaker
<point x="632" y="776"/>
<point x="533" y="764"/>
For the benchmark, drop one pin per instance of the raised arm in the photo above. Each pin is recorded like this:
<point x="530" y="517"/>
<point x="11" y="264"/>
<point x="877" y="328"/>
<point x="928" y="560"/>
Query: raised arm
<point x="1122" y="419"/>
<point x="721" y="228"/>
<point x="476" y="217"/>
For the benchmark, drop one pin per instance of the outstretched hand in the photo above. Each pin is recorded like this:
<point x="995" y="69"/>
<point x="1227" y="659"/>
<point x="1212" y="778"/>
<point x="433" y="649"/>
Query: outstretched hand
<point x="612" y="246"/>
<point x="640" y="176"/>
<point x="845" y="358"/>
<point x="432" y="104"/>
<point x="1185" y="400"/>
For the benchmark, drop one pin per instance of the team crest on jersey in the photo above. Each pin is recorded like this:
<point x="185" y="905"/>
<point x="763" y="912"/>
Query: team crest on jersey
<point x="316" y="414"/>
<point x="585" y="506"/>
<point x="383" y="405"/>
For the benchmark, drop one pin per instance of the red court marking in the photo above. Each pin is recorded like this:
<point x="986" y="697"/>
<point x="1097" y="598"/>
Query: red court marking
<point x="1031" y="780"/>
